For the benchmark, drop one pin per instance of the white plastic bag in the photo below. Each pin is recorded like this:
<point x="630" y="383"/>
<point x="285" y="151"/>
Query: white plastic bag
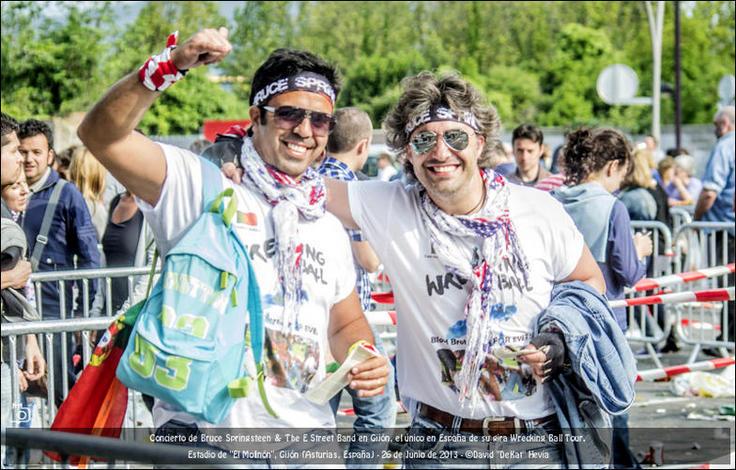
<point x="705" y="384"/>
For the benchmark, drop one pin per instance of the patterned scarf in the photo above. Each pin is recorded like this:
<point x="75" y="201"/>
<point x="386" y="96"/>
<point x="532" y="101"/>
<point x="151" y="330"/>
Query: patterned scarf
<point x="290" y="199"/>
<point x="500" y="273"/>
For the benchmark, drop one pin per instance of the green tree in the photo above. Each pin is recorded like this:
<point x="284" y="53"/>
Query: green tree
<point x="707" y="54"/>
<point x="569" y="78"/>
<point x="49" y="66"/>
<point x="183" y="107"/>
<point x="259" y="28"/>
<point x="520" y="87"/>
<point x="535" y="61"/>
<point x="374" y="78"/>
<point x="155" y="21"/>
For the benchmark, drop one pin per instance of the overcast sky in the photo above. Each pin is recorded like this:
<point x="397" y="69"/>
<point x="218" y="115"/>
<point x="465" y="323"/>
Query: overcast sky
<point x="126" y="12"/>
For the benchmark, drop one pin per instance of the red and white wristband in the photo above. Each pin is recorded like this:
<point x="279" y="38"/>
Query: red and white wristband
<point x="159" y="71"/>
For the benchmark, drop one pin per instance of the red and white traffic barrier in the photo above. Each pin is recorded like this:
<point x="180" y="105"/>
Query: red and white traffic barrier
<point x="656" y="374"/>
<point x="712" y="295"/>
<point x="383" y="297"/>
<point x="698" y="325"/>
<point x="388" y="317"/>
<point x="673" y="279"/>
<point x="382" y="318"/>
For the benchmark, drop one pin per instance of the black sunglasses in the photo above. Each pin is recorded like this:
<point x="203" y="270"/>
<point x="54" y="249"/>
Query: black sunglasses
<point x="288" y="117"/>
<point x="425" y="141"/>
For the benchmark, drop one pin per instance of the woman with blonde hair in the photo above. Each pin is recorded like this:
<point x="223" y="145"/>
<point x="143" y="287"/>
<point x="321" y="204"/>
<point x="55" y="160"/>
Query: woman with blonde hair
<point x="684" y="189"/>
<point x="89" y="176"/>
<point x="643" y="197"/>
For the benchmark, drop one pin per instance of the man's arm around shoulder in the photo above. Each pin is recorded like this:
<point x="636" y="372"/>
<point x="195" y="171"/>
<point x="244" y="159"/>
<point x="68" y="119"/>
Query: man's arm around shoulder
<point x="366" y="257"/>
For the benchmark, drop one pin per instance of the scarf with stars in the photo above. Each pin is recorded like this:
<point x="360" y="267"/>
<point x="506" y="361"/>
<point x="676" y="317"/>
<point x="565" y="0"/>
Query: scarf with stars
<point x="501" y="258"/>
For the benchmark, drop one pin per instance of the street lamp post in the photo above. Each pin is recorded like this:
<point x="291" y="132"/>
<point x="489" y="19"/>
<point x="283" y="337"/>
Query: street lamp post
<point x="656" y="25"/>
<point x="678" y="71"/>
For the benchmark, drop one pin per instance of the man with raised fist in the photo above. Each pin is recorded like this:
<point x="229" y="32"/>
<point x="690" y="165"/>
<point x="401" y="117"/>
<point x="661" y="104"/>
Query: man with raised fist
<point x="281" y="218"/>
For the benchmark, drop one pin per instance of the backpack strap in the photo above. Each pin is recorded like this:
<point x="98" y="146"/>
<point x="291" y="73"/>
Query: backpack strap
<point x="257" y="334"/>
<point x="213" y="195"/>
<point x="43" y="235"/>
<point x="211" y="183"/>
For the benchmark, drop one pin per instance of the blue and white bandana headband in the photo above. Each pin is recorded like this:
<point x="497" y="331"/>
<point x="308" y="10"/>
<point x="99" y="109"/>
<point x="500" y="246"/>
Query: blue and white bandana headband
<point x="303" y="81"/>
<point x="490" y="277"/>
<point x="442" y="113"/>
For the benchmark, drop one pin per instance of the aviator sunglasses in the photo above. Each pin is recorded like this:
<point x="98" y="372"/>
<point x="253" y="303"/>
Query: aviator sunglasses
<point x="288" y="117"/>
<point x="425" y="141"/>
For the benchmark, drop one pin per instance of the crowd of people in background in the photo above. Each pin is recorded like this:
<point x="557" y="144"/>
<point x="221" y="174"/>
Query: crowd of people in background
<point x="97" y="219"/>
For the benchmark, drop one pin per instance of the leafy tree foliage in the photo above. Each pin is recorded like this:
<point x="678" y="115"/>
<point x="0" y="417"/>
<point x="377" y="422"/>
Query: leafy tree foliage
<point x="536" y="61"/>
<point x="50" y="66"/>
<point x="183" y="107"/>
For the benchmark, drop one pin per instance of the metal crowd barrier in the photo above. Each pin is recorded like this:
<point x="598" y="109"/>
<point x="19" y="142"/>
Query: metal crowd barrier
<point x="680" y="217"/>
<point x="57" y="330"/>
<point x="47" y="328"/>
<point x="703" y="324"/>
<point x="73" y="279"/>
<point x="85" y="276"/>
<point x="380" y="285"/>
<point x="662" y="252"/>
<point x="22" y="415"/>
<point x="651" y="325"/>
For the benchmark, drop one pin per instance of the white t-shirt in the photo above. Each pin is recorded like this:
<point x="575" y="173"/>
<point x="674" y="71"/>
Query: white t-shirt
<point x="430" y="300"/>
<point x="295" y="363"/>
<point x="385" y="174"/>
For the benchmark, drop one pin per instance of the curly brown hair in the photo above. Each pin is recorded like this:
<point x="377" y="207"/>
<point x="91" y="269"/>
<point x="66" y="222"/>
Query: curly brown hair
<point x="425" y="90"/>
<point x="588" y="150"/>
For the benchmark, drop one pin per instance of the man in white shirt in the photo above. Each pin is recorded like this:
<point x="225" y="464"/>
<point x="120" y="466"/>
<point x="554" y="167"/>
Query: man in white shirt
<point x="386" y="168"/>
<point x="280" y="218"/>
<point x="472" y="261"/>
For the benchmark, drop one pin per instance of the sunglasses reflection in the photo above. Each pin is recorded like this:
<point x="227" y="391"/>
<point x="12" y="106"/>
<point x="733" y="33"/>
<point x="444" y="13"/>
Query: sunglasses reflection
<point x="425" y="141"/>
<point x="288" y="117"/>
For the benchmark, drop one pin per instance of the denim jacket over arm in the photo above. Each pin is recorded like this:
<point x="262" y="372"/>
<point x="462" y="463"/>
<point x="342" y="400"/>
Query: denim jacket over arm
<point x="600" y="381"/>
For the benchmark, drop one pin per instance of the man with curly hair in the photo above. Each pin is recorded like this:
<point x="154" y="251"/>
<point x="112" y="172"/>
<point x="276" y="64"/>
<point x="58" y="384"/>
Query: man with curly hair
<point x="472" y="261"/>
<point x="494" y="289"/>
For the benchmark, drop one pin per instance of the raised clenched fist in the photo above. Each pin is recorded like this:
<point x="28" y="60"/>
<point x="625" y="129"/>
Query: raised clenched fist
<point x="206" y="47"/>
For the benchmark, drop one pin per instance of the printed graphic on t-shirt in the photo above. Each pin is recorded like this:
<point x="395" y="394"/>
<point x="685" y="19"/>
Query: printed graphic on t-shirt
<point x="499" y="379"/>
<point x="292" y="360"/>
<point x="313" y="264"/>
<point x="248" y="219"/>
<point x="502" y="377"/>
<point x="508" y="279"/>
